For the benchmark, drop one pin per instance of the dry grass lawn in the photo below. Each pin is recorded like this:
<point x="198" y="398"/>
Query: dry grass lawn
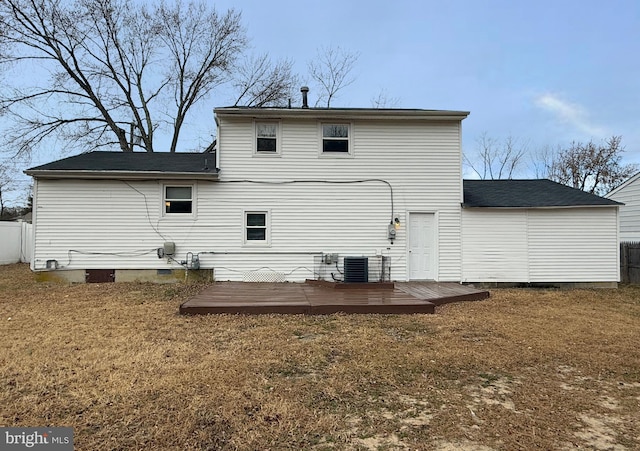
<point x="527" y="369"/>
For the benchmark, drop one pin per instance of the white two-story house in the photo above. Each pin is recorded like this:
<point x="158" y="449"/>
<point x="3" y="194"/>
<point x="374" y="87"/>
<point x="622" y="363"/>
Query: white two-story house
<point x="289" y="194"/>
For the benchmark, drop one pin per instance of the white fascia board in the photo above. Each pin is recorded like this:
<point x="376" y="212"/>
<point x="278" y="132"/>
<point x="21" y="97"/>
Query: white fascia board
<point x="346" y="114"/>
<point x="121" y="175"/>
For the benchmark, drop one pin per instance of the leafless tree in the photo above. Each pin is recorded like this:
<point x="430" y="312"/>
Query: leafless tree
<point x="261" y="82"/>
<point x="7" y="184"/>
<point x="592" y="167"/>
<point x="494" y="159"/>
<point x="119" y="69"/>
<point x="332" y="71"/>
<point x="203" y="46"/>
<point x="383" y="100"/>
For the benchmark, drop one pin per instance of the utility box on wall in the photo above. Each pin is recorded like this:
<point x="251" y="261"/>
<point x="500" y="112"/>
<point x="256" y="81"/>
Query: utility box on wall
<point x="169" y="248"/>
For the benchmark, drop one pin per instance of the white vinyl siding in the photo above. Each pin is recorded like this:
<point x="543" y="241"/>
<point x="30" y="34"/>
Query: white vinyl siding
<point x="77" y="220"/>
<point x="113" y="224"/>
<point x="104" y="224"/>
<point x="420" y="159"/>
<point x="540" y="245"/>
<point x="574" y="245"/>
<point x="495" y="245"/>
<point x="629" y="195"/>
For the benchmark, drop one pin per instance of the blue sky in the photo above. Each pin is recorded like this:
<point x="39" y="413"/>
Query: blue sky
<point x="544" y="72"/>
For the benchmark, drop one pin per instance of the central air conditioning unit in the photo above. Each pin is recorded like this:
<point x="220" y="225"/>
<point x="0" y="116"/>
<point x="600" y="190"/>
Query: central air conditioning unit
<point x="356" y="269"/>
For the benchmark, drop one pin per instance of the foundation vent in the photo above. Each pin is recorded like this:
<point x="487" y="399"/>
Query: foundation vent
<point x="264" y="276"/>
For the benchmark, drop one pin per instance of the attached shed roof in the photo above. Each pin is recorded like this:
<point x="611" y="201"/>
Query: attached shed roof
<point x="527" y="194"/>
<point x="130" y="165"/>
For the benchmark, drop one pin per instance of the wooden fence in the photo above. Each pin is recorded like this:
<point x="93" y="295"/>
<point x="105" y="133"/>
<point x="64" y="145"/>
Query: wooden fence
<point x="630" y="262"/>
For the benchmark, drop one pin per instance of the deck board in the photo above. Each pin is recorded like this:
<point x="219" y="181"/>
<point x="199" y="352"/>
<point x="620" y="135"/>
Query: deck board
<point x="442" y="293"/>
<point x="305" y="298"/>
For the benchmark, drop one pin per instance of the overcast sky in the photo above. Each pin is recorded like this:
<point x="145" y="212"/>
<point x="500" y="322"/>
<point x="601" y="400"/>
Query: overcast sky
<point x="544" y="72"/>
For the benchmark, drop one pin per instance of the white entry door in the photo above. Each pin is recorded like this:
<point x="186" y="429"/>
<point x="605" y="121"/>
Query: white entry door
<point x="422" y="243"/>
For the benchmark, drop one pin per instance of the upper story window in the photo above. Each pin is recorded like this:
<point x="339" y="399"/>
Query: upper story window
<point x="178" y="199"/>
<point x="335" y="138"/>
<point x="267" y="139"/>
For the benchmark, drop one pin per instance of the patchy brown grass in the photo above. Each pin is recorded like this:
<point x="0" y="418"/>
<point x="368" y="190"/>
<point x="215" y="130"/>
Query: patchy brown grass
<point x="527" y="369"/>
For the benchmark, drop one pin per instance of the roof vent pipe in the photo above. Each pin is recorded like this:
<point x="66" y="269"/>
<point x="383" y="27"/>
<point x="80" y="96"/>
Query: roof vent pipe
<point x="304" y="90"/>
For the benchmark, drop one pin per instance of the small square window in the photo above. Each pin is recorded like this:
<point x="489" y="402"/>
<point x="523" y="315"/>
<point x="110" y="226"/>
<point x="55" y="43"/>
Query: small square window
<point x="256" y="224"/>
<point x="178" y="199"/>
<point x="335" y="138"/>
<point x="267" y="137"/>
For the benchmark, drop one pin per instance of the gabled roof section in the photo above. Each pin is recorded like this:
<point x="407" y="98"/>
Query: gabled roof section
<point x="342" y="113"/>
<point x="131" y="165"/>
<point x="540" y="193"/>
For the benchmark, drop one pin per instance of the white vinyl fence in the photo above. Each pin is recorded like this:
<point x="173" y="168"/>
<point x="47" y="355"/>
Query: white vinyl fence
<point x="15" y="242"/>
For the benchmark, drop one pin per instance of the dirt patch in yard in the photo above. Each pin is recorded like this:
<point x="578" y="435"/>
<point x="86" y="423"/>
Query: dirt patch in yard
<point x="527" y="369"/>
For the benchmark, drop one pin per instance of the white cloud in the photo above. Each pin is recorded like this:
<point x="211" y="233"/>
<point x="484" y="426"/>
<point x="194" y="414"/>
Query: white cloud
<point x="569" y="113"/>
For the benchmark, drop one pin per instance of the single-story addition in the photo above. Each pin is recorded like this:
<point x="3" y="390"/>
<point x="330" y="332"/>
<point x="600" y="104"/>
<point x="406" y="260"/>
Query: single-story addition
<point x="334" y="194"/>
<point x="629" y="194"/>
<point x="538" y="232"/>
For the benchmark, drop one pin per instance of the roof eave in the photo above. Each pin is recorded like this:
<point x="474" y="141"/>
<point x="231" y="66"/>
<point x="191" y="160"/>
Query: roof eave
<point x="120" y="175"/>
<point x="338" y="113"/>
<point x="546" y="207"/>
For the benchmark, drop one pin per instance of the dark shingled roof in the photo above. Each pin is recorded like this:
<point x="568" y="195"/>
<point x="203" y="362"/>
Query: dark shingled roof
<point x="134" y="162"/>
<point x="527" y="194"/>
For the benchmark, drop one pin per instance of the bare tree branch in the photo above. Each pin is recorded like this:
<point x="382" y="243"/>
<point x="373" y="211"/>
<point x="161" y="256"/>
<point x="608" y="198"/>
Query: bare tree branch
<point x="383" y="100"/>
<point x="595" y="168"/>
<point x="10" y="183"/>
<point x="203" y="46"/>
<point x="496" y="160"/>
<point x="331" y="70"/>
<point x="261" y="82"/>
<point x="115" y="62"/>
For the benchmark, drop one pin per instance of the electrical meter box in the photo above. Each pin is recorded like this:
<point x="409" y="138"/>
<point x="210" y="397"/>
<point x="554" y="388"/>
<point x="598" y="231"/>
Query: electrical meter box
<point x="330" y="259"/>
<point x="169" y="248"/>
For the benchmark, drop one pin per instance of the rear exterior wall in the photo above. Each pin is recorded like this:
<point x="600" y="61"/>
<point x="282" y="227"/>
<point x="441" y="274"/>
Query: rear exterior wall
<point x="85" y="224"/>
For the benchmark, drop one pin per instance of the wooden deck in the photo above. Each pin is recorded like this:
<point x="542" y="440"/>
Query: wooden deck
<point x="320" y="299"/>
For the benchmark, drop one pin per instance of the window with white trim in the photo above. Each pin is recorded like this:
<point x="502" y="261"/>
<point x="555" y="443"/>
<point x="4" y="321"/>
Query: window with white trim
<point x="267" y="138"/>
<point x="178" y="199"/>
<point x="335" y="139"/>
<point x="256" y="227"/>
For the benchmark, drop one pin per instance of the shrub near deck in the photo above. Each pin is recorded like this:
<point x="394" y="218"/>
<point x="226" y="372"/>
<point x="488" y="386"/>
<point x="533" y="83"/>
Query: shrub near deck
<point x="526" y="369"/>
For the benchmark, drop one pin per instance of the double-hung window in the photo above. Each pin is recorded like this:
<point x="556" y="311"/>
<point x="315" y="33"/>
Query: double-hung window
<point x="178" y="199"/>
<point x="256" y="227"/>
<point x="267" y="138"/>
<point x="335" y="139"/>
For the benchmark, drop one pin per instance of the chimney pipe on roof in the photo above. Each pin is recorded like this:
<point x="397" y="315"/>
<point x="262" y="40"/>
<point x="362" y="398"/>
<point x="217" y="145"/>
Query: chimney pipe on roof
<point x="304" y="90"/>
